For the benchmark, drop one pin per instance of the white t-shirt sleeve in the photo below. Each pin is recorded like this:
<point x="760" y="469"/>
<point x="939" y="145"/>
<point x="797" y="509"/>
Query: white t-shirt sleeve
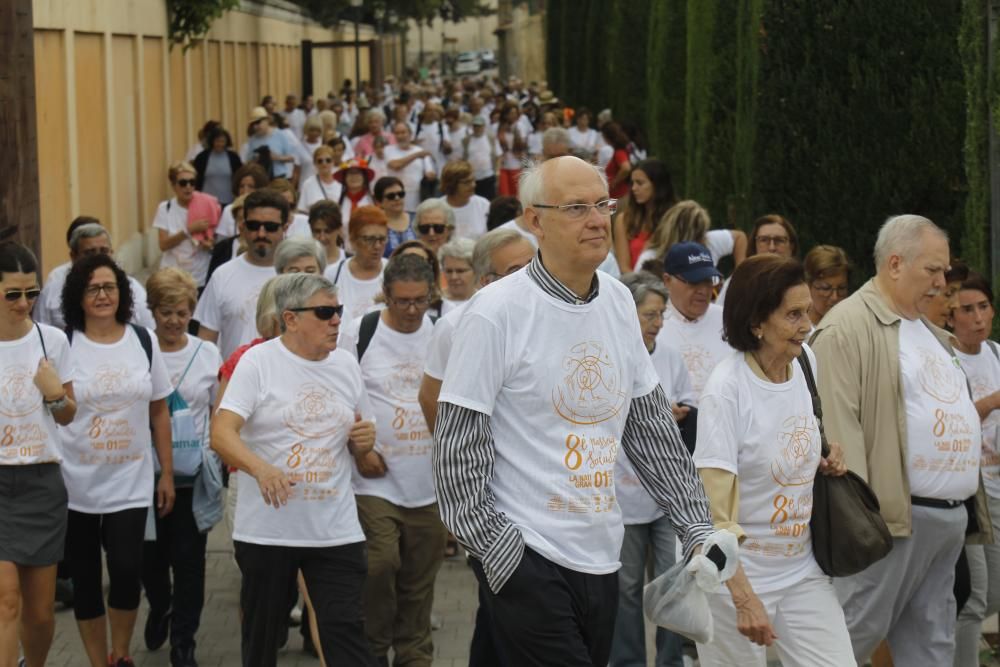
<point x="243" y="391"/>
<point x="207" y="310"/>
<point x="158" y="373"/>
<point x="719" y="432"/>
<point x="720" y="243"/>
<point x="348" y="339"/>
<point x="440" y="346"/>
<point x="476" y="367"/>
<point x="161" y="221"/>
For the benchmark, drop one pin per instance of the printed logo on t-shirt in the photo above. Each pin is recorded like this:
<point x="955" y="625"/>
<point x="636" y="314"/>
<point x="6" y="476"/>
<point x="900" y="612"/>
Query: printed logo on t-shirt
<point x="699" y="364"/>
<point x="590" y="392"/>
<point x="937" y="379"/>
<point x="113" y="388"/>
<point x="796" y="465"/>
<point x="18" y="395"/>
<point x="316" y="412"/>
<point x="248" y="312"/>
<point x="403" y="382"/>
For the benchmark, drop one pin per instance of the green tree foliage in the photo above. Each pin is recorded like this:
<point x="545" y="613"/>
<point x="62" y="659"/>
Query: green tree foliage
<point x="666" y="73"/>
<point x="972" y="42"/>
<point x="190" y="19"/>
<point x="626" y="91"/>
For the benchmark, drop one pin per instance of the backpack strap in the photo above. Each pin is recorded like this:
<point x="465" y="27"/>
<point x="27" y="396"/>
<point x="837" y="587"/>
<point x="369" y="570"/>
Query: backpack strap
<point x="45" y="353"/>
<point x="817" y="403"/>
<point x="368" y="325"/>
<point x="340" y="267"/>
<point x="145" y="340"/>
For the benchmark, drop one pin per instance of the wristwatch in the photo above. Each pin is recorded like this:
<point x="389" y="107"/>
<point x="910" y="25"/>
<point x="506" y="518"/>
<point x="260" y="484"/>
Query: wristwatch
<point x="58" y="404"/>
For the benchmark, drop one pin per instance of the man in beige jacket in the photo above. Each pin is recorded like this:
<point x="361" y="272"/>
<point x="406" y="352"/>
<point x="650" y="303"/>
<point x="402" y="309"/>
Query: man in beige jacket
<point x="896" y="399"/>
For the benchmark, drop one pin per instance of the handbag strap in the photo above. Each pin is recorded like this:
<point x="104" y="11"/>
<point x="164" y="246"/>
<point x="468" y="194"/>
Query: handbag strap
<point x="41" y="339"/>
<point x="817" y="403"/>
<point x="188" y="367"/>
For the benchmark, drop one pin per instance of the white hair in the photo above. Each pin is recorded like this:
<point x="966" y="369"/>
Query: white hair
<point x="490" y="242"/>
<point x="556" y="136"/>
<point x="902" y="235"/>
<point x="292" y="248"/>
<point x="459" y="248"/>
<point x="434" y="205"/>
<point x="89" y="231"/>
<point x="531" y="187"/>
<point x="293" y="290"/>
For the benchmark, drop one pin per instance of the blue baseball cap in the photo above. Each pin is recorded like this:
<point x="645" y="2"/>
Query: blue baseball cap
<point x="691" y="262"/>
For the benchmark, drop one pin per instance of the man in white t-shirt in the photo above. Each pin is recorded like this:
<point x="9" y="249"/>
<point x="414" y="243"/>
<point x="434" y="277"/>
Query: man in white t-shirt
<point x="86" y="237"/>
<point x="293" y="414"/>
<point x="895" y="397"/>
<point x="547" y="380"/>
<point x="226" y="310"/>
<point x="393" y="483"/>
<point x="692" y="324"/>
<point x="481" y="150"/>
<point x="294" y="116"/>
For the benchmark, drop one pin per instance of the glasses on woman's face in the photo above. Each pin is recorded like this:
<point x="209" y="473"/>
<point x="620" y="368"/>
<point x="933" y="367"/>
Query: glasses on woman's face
<point x="776" y="241"/>
<point x="324" y="313"/>
<point x="14" y="295"/>
<point x="826" y="289"/>
<point x="651" y="316"/>
<point x="374" y="241"/>
<point x="185" y="182"/>
<point x="394" y="196"/>
<point x="92" y="291"/>
<point x="427" y="229"/>
<point x="324" y="160"/>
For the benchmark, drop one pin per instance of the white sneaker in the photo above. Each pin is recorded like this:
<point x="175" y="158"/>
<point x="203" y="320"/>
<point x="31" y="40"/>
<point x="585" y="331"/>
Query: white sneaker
<point x="296" y="616"/>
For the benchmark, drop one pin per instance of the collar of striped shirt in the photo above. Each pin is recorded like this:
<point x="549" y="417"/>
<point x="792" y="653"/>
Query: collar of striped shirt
<point x="554" y="288"/>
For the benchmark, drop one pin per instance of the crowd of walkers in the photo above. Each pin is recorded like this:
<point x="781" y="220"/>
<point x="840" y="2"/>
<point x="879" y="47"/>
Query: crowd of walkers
<point x="404" y="322"/>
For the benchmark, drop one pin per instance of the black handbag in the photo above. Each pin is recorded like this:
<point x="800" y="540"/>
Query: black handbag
<point x="848" y="531"/>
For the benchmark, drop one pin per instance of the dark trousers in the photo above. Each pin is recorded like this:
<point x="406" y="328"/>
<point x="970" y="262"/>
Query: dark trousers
<point x="547" y="614"/>
<point x="179" y="548"/>
<point x="484" y="649"/>
<point x="120" y="533"/>
<point x="487" y="187"/>
<point x="334" y="576"/>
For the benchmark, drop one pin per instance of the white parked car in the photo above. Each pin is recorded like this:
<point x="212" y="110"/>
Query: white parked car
<point x="467" y="63"/>
<point x="487" y="59"/>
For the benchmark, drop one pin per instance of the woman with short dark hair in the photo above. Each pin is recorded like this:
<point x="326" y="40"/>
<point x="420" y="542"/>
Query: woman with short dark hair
<point x="37" y="374"/>
<point x="122" y="383"/>
<point x="390" y="194"/>
<point x="758" y="452"/>
<point x="216" y="165"/>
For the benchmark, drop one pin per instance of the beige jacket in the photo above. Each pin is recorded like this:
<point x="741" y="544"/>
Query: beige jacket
<point x="857" y="350"/>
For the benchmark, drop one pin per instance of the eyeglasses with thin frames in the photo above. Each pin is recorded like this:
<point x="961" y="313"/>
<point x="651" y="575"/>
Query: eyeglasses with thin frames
<point x="421" y="302"/>
<point x="826" y="289"/>
<point x="776" y="241"/>
<point x="580" y="211"/>
<point x="109" y="289"/>
<point x="372" y="241"/>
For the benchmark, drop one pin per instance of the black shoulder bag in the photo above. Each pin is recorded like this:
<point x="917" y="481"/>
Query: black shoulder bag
<point x="848" y="532"/>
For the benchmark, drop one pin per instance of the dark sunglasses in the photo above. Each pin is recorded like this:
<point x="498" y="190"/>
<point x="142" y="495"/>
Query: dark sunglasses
<point x="184" y="182"/>
<point x="14" y="295"/>
<point x="321" y="312"/>
<point x="392" y="196"/>
<point x="427" y="229"/>
<point x="324" y="160"/>
<point x="269" y="227"/>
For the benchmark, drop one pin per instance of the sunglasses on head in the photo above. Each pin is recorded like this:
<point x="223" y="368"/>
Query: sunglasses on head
<point x="185" y="182"/>
<point x="392" y="196"/>
<point x="269" y="227"/>
<point x="427" y="229"/>
<point x="322" y="312"/>
<point x="14" y="295"/>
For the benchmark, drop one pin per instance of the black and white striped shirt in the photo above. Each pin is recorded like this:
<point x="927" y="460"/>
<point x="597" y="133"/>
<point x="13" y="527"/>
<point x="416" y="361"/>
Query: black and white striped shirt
<point x="464" y="459"/>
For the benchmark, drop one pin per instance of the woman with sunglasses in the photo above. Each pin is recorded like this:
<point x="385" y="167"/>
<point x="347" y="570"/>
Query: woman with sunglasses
<point x="183" y="242"/>
<point x="292" y="413"/>
<point x="323" y="185"/>
<point x="435" y="223"/>
<point x="38" y="379"/>
<point x="389" y="196"/>
<point x="359" y="279"/>
<point x="123" y="384"/>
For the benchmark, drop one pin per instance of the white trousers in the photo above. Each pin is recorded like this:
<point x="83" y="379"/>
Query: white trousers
<point x="806" y="617"/>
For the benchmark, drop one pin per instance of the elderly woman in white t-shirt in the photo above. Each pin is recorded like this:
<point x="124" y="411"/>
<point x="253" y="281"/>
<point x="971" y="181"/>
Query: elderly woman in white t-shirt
<point x="293" y="413"/>
<point x="758" y="452"/>
<point x="178" y="553"/>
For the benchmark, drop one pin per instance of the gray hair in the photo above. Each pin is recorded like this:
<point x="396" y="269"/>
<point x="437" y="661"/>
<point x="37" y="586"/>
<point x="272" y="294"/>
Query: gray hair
<point x="642" y="284"/>
<point x="531" y="189"/>
<point x="89" y="231"/>
<point x="267" y="315"/>
<point x="434" y="205"/>
<point x="292" y="248"/>
<point x="556" y="135"/>
<point x="901" y="235"/>
<point x="293" y="290"/>
<point x="408" y="267"/>
<point x="457" y="249"/>
<point x="374" y="113"/>
<point x="488" y="243"/>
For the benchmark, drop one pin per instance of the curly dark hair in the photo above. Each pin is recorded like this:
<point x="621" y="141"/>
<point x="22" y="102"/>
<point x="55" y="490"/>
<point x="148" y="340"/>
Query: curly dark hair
<point x="76" y="284"/>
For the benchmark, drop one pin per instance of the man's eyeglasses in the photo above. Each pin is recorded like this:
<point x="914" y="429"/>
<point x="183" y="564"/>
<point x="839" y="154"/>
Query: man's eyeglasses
<point x="580" y="211"/>
<point x="393" y="196"/>
<point x="100" y="250"/>
<point x="185" y="182"/>
<point x="708" y="282"/>
<point x="422" y="302"/>
<point x="493" y="275"/>
<point x="826" y="289"/>
<point x="427" y="229"/>
<point x="14" y="295"/>
<point x="372" y="241"/>
<point x="108" y="288"/>
<point x="269" y="227"/>
<point x="776" y="241"/>
<point x="321" y="312"/>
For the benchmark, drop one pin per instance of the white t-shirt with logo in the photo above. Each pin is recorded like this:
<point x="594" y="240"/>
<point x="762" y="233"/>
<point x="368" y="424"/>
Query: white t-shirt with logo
<point x="637" y="505"/>
<point x="983" y="371"/>
<point x="943" y="434"/>
<point x="28" y="433"/>
<point x="411" y="174"/>
<point x="557" y="380"/>
<point x="392" y="368"/>
<point x="298" y="416"/>
<point x="470" y="220"/>
<point x="171" y="217"/>
<point x="356" y="295"/>
<point x="313" y="190"/>
<point x="229" y="302"/>
<point x="107" y="448"/>
<point x="699" y="342"/>
<point x="765" y="433"/>
<point x="200" y="382"/>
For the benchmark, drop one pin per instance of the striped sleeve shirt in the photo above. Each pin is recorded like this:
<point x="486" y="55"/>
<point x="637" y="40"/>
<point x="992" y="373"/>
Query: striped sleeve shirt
<point x="464" y="457"/>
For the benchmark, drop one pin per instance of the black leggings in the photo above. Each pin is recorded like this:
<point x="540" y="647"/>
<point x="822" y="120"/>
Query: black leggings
<point x="121" y="534"/>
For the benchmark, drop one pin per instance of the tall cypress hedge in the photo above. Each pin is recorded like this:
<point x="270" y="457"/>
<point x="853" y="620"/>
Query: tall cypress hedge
<point x="626" y="92"/>
<point x="666" y="72"/>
